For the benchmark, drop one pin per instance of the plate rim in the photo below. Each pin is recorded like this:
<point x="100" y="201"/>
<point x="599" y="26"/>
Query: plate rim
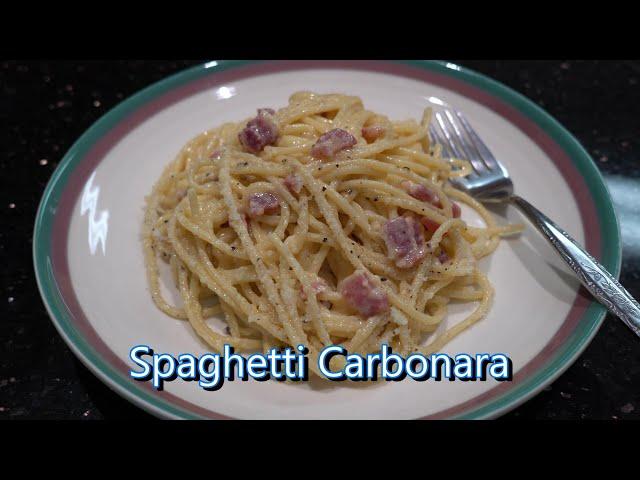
<point x="570" y="350"/>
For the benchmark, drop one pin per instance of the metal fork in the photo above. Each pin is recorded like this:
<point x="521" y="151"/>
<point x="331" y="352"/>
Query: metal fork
<point x="490" y="182"/>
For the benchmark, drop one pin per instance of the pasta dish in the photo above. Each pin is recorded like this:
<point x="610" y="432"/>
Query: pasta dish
<point x="319" y="223"/>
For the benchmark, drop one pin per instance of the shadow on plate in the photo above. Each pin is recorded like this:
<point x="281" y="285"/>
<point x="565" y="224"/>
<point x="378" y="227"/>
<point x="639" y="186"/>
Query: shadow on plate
<point x="541" y="259"/>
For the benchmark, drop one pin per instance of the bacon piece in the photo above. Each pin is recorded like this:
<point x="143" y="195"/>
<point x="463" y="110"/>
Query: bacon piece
<point x="259" y="132"/>
<point x="422" y="193"/>
<point x="443" y="257"/>
<point x="332" y="142"/>
<point x="373" y="132"/>
<point x="293" y="183"/>
<point x="263" y="203"/>
<point x="429" y="225"/>
<point x="455" y="209"/>
<point x="362" y="294"/>
<point x="405" y="241"/>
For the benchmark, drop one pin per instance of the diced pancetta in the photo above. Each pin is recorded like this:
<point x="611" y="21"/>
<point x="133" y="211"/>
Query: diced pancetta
<point x="293" y="183"/>
<point x="420" y="192"/>
<point x="361" y="293"/>
<point x="262" y="203"/>
<point x="405" y="241"/>
<point x="373" y="132"/>
<point x="455" y="210"/>
<point x="429" y="225"/>
<point x="331" y="143"/>
<point x="259" y="132"/>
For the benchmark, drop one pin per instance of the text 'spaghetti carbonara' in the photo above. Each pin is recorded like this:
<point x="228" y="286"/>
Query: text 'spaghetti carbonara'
<point x="320" y="223"/>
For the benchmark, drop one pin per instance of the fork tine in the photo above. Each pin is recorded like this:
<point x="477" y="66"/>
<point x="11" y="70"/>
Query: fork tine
<point x="439" y="139"/>
<point x="480" y="146"/>
<point x="446" y="152"/>
<point x="488" y="180"/>
<point x="453" y="148"/>
<point x="470" y="152"/>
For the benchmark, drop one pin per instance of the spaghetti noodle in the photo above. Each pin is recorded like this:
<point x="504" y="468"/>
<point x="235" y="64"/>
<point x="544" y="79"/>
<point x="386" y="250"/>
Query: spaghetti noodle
<point x="320" y="223"/>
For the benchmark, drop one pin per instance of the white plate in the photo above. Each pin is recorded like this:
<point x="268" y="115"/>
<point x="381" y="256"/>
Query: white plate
<point x="90" y="269"/>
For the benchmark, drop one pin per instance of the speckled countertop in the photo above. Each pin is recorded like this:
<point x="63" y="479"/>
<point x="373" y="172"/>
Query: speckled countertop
<point x="45" y="106"/>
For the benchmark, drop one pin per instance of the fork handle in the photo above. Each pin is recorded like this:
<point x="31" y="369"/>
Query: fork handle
<point x="602" y="285"/>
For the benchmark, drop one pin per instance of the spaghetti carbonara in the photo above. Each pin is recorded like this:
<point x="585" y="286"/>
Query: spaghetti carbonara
<point x="319" y="223"/>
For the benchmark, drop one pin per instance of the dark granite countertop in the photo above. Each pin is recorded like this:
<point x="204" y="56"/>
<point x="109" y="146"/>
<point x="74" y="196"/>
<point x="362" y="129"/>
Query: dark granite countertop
<point x="45" y="106"/>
